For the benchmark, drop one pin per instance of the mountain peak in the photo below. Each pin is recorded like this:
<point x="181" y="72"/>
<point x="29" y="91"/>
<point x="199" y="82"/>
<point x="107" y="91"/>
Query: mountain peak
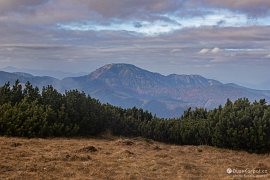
<point x="117" y="65"/>
<point x="121" y="66"/>
<point x="128" y="74"/>
<point x="98" y="72"/>
<point x="115" y="70"/>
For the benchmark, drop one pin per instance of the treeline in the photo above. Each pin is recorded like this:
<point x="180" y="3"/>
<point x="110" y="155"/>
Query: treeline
<point x="27" y="111"/>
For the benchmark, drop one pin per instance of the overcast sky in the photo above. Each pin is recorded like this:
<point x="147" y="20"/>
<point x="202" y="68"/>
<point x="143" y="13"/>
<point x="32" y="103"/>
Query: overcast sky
<point x="226" y="40"/>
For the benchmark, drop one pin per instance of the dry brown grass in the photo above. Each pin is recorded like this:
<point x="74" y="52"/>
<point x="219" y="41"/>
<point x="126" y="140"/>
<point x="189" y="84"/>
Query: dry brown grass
<point x="117" y="158"/>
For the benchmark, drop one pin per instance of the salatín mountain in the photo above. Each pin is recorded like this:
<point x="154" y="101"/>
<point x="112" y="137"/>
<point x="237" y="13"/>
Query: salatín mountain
<point x="126" y="85"/>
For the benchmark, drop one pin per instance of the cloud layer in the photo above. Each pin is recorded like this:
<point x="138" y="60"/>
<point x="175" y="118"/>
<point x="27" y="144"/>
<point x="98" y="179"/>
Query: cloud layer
<point x="253" y="8"/>
<point x="208" y="37"/>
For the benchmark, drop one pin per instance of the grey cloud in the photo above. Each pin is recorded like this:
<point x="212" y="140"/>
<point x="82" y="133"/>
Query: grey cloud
<point x="103" y="11"/>
<point x="44" y="12"/>
<point x="129" y="8"/>
<point x="138" y="25"/>
<point x="238" y="35"/>
<point x="53" y="11"/>
<point x="15" y="5"/>
<point x="221" y="22"/>
<point x="253" y="8"/>
<point x="123" y="8"/>
<point x="32" y="46"/>
<point x="112" y="46"/>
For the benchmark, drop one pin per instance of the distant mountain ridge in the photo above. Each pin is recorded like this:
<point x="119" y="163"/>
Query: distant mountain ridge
<point x="39" y="72"/>
<point x="126" y="85"/>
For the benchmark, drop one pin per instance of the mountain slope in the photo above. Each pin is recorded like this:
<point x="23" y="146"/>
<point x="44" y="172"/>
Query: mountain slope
<point x="126" y="85"/>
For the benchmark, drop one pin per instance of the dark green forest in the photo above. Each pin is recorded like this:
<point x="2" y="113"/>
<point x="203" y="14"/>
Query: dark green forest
<point x="30" y="112"/>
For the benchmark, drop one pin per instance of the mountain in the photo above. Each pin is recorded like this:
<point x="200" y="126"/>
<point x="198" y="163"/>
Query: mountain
<point x="39" y="81"/>
<point x="39" y="72"/>
<point x="126" y="85"/>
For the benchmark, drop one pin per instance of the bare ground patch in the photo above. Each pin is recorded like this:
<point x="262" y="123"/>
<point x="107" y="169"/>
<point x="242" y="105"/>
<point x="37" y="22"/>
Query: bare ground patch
<point x="117" y="158"/>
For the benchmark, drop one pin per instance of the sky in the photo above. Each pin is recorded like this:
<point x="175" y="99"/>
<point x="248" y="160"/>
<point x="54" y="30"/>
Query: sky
<point x="224" y="40"/>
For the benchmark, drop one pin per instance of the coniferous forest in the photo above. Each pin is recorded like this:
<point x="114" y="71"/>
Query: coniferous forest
<point x="30" y="112"/>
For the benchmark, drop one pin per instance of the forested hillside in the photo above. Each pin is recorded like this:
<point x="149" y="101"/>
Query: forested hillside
<point x="29" y="112"/>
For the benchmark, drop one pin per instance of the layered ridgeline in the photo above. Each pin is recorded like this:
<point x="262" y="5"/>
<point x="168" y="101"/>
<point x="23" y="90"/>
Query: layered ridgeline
<point x="127" y="86"/>
<point x="30" y="112"/>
